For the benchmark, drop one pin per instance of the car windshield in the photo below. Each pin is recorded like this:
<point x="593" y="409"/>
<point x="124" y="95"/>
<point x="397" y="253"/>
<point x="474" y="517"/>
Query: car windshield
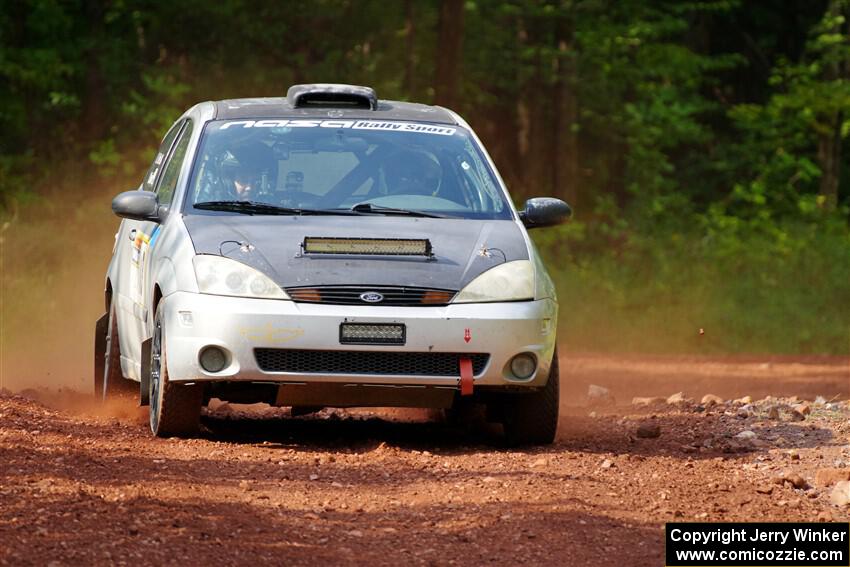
<point x="376" y="167"/>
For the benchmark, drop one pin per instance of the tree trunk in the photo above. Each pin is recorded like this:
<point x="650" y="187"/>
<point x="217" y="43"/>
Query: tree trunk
<point x="829" y="156"/>
<point x="536" y="109"/>
<point x="449" y="54"/>
<point x="93" y="113"/>
<point x="566" y="118"/>
<point x="829" y="140"/>
<point x="410" y="50"/>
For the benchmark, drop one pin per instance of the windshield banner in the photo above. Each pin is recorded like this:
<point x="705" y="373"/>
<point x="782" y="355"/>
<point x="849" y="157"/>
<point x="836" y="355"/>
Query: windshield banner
<point x="385" y="125"/>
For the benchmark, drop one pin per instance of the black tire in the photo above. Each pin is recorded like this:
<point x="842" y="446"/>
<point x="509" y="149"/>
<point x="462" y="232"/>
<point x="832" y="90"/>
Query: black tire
<point x="532" y="419"/>
<point x="111" y="382"/>
<point x="175" y="409"/>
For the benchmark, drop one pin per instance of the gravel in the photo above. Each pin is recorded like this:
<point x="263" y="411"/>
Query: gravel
<point x="387" y="487"/>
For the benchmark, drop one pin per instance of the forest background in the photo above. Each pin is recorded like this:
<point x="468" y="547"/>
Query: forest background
<point x="702" y="145"/>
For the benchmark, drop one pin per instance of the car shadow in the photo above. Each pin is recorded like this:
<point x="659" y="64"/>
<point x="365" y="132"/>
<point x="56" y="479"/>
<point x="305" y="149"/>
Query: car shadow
<point x="686" y="435"/>
<point x="684" y="432"/>
<point x="359" y="431"/>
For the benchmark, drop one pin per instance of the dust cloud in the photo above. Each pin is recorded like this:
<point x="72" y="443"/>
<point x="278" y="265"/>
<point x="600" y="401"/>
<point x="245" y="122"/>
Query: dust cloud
<point x="53" y="258"/>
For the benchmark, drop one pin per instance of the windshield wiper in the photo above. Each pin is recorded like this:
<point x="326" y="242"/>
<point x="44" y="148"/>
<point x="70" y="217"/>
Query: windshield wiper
<point x="378" y="209"/>
<point x="258" y="208"/>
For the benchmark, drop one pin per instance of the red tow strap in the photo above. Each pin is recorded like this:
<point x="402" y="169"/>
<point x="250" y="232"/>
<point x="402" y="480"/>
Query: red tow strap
<point x="465" y="376"/>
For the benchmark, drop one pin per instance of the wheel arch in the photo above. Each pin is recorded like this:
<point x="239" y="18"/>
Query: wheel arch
<point x="164" y="284"/>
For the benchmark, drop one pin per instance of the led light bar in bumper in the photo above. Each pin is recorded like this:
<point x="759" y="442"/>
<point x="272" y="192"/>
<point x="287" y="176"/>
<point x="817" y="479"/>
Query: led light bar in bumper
<point x="371" y="334"/>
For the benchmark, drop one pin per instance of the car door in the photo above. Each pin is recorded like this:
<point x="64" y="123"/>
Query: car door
<point x="132" y="235"/>
<point x="148" y="253"/>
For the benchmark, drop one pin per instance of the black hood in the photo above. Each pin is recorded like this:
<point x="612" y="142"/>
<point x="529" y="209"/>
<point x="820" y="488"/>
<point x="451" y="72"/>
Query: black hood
<point x="272" y="244"/>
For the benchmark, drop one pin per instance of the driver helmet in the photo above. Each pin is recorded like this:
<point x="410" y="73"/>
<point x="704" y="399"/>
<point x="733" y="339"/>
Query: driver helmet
<point x="250" y="169"/>
<point x="413" y="172"/>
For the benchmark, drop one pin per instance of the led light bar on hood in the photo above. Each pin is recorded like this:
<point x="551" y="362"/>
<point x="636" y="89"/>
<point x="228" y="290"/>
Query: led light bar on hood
<point x="367" y="246"/>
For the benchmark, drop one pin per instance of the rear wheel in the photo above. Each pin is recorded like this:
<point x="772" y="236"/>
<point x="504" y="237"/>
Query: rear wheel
<point x="175" y="409"/>
<point x="109" y="380"/>
<point x="532" y="419"/>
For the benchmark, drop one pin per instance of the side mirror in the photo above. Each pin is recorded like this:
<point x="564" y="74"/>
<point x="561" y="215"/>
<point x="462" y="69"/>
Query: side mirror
<point x="545" y="211"/>
<point x="137" y="205"/>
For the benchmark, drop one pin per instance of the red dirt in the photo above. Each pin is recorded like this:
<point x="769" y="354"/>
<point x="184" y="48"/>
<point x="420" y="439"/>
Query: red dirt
<point x="80" y="485"/>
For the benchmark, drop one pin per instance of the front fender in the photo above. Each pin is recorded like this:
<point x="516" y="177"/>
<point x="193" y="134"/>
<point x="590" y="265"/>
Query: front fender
<point x="166" y="277"/>
<point x="172" y="268"/>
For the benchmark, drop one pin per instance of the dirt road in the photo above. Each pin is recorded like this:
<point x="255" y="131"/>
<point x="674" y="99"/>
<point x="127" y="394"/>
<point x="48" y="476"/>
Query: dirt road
<point x="82" y="484"/>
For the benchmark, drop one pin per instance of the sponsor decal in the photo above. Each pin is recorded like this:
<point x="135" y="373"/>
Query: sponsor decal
<point x="382" y="125"/>
<point x="140" y="245"/>
<point x="270" y="334"/>
<point x="467" y="335"/>
<point x="154" y="236"/>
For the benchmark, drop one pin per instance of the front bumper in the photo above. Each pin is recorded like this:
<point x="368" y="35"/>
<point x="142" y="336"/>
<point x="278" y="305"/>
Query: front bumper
<point x="193" y="321"/>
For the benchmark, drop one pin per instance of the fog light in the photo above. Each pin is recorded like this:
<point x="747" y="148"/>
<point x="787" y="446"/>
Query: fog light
<point x="213" y="359"/>
<point x="523" y="365"/>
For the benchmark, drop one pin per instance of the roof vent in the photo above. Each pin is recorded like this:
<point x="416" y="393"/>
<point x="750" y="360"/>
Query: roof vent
<point x="325" y="95"/>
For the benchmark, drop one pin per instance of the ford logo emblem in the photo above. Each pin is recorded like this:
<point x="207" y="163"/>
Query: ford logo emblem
<point x="371" y="297"/>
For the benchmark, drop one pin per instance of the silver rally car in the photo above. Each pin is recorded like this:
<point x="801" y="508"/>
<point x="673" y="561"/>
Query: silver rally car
<point x="329" y="249"/>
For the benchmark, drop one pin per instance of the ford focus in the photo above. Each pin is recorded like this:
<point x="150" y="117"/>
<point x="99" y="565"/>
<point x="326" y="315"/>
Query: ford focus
<point x="329" y="249"/>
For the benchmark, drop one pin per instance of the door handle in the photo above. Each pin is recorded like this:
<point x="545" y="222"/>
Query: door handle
<point x="133" y="235"/>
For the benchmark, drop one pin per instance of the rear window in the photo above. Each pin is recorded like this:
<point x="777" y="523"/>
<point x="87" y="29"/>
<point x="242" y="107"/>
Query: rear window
<point x="336" y="164"/>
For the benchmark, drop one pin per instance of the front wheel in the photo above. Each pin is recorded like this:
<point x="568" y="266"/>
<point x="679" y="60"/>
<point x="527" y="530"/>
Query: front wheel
<point x="175" y="409"/>
<point x="532" y="419"/>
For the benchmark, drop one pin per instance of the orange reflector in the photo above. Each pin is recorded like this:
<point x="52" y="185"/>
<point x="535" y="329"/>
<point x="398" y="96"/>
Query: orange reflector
<point x="436" y="297"/>
<point x="306" y="294"/>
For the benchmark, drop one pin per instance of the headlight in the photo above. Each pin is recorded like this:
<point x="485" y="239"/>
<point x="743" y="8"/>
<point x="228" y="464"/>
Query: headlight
<point x="512" y="281"/>
<point x="222" y="276"/>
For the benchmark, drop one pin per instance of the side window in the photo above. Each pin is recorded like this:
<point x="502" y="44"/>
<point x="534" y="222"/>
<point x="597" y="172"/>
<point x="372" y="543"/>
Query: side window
<point x="168" y="181"/>
<point x="150" y="177"/>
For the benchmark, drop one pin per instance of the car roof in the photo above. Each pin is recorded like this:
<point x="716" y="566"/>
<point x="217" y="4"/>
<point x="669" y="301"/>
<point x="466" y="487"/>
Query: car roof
<point x="289" y="107"/>
<point x="243" y="108"/>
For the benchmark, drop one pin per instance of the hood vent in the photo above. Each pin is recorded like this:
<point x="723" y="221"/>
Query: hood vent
<point x="327" y="95"/>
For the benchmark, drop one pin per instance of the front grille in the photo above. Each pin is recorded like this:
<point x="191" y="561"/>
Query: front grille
<point x="366" y="362"/>
<point x="392" y="295"/>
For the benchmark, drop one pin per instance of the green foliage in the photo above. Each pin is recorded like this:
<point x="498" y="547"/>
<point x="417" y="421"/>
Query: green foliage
<point x="751" y="288"/>
<point x="696" y="139"/>
<point x="808" y="101"/>
<point x="652" y="87"/>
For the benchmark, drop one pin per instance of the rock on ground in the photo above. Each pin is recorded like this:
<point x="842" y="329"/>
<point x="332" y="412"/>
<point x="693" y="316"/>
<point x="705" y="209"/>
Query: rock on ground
<point x="654" y="401"/>
<point x="840" y="495"/>
<point x="599" y="395"/>
<point x="648" y="430"/>
<point x="829" y="476"/>
<point x="803" y="408"/>
<point x="678" y="398"/>
<point x="709" y="400"/>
